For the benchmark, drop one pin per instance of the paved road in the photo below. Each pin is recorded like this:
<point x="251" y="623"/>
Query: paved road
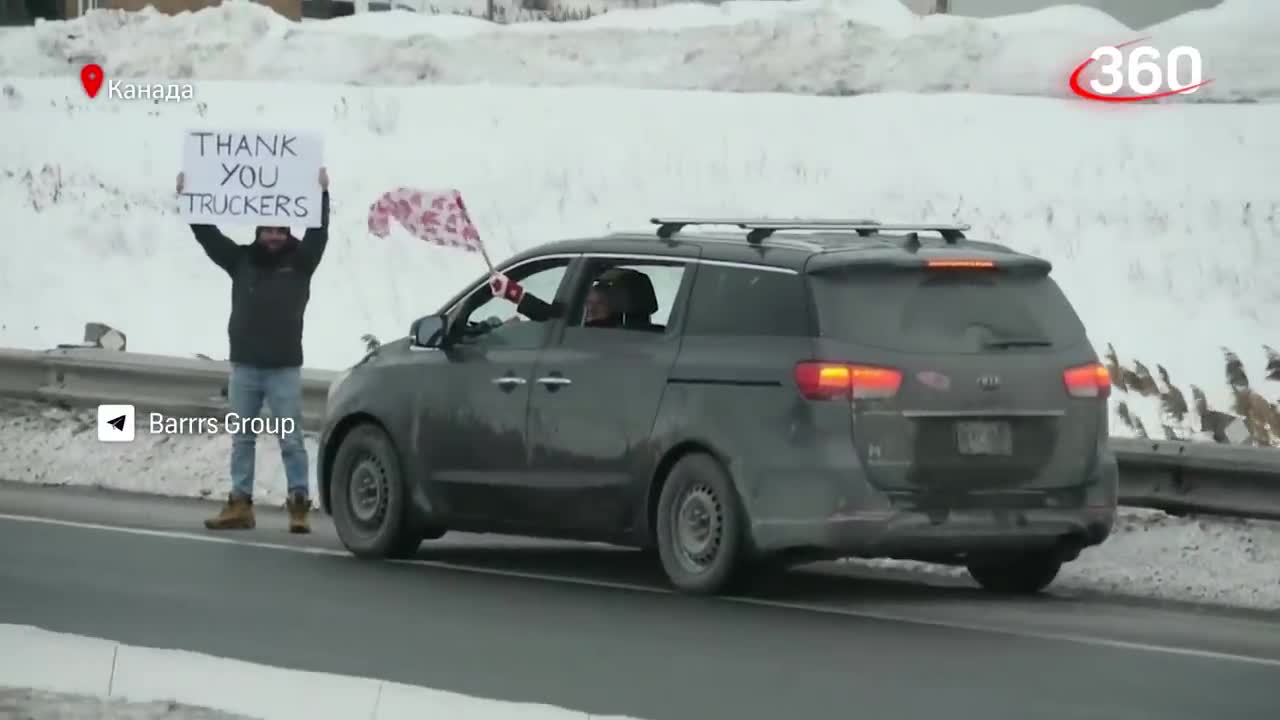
<point x="592" y="629"/>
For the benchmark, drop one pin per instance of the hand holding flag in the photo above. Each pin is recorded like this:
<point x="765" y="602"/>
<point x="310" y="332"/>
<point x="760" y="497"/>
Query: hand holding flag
<point x="504" y="287"/>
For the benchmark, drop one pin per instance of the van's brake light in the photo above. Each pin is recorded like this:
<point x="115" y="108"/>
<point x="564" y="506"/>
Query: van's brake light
<point x="1088" y="381"/>
<point x="831" y="381"/>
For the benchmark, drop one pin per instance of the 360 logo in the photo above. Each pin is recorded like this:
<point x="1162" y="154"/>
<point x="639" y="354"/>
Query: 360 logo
<point x="1138" y="75"/>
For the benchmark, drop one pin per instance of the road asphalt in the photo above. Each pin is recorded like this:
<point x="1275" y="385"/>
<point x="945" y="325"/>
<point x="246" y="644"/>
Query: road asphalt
<point x="594" y="628"/>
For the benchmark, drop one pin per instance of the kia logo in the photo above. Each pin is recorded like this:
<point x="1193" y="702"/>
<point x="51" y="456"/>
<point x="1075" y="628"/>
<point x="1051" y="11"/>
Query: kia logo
<point x="989" y="382"/>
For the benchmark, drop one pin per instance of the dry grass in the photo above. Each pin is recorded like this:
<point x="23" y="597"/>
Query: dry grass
<point x="1252" y="419"/>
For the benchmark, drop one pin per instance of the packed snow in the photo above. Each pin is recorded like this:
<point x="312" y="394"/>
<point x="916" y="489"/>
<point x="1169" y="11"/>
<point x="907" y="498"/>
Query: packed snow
<point x="1162" y="220"/>
<point x="35" y="704"/>
<point x="831" y="47"/>
<point x="131" y="680"/>
<point x="46" y="445"/>
<point x="1151" y="555"/>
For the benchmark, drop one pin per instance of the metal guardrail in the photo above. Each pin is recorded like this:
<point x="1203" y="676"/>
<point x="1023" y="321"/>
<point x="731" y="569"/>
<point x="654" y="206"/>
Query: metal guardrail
<point x="1199" y="477"/>
<point x="187" y="387"/>
<point x="1177" y="477"/>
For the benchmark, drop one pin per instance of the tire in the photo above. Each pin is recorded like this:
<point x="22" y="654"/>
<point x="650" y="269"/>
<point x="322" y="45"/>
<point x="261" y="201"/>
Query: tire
<point x="1017" y="574"/>
<point x="698" y="560"/>
<point x="379" y="522"/>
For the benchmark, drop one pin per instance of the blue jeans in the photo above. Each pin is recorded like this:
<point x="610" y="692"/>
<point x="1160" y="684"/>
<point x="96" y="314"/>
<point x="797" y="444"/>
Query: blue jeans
<point x="281" y="389"/>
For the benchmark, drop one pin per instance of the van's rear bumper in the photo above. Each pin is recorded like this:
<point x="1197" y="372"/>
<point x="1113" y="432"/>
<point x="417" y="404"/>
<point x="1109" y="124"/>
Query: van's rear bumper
<point x="875" y="523"/>
<point x="938" y="536"/>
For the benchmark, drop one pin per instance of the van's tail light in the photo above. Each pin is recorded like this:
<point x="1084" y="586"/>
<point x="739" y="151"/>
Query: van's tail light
<point x="1088" y="381"/>
<point x="831" y="381"/>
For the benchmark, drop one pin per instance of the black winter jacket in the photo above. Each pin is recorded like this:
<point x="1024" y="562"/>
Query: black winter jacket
<point x="269" y="292"/>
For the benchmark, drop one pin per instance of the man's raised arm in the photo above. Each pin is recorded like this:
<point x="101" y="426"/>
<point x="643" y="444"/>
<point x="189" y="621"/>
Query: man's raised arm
<point x="220" y="248"/>
<point x="315" y="239"/>
<point x="527" y="304"/>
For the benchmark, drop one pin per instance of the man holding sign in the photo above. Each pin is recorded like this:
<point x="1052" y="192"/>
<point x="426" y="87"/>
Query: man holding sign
<point x="270" y="287"/>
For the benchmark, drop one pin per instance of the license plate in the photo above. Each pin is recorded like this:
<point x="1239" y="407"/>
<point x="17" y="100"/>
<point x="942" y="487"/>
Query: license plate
<point x="984" y="438"/>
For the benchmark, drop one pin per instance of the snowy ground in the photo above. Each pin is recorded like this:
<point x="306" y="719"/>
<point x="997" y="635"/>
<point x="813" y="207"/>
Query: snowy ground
<point x="1162" y="263"/>
<point x="28" y="704"/>
<point x="81" y="665"/>
<point x="1151" y="555"/>
<point x="45" y="445"/>
<point x="514" y="11"/>
<point x="1162" y="221"/>
<point x="826" y="47"/>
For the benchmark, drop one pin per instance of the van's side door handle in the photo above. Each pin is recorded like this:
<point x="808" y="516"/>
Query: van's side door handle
<point x="553" y="381"/>
<point x="509" y="382"/>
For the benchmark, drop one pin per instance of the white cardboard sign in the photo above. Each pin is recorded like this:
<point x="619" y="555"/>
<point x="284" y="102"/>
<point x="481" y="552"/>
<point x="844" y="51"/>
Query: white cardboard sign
<point x="251" y="177"/>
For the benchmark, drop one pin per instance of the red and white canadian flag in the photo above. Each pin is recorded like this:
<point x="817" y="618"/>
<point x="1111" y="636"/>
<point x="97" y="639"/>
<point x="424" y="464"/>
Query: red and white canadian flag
<point x="437" y="216"/>
<point x="441" y="218"/>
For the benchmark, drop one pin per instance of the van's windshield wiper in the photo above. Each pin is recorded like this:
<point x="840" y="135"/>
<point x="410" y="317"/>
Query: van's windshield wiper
<point x="1016" y="342"/>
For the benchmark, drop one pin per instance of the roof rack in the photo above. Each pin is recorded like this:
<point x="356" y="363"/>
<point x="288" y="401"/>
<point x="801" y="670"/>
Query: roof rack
<point x="761" y="228"/>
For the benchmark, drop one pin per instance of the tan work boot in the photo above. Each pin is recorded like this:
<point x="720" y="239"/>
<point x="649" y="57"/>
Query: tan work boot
<point x="237" y="514"/>
<point x="298" y="506"/>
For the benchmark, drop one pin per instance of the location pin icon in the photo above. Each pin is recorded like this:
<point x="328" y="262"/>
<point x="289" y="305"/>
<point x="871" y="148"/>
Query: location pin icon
<point x="91" y="78"/>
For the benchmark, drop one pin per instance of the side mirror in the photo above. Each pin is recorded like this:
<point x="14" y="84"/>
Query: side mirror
<point x="429" y="331"/>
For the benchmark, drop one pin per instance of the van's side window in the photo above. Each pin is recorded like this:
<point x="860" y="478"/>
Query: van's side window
<point x="628" y="295"/>
<point x="489" y="319"/>
<point x="734" y="300"/>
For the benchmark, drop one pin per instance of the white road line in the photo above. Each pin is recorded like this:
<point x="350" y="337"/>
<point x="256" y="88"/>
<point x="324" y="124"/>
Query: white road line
<point x="1088" y="640"/>
<point x="199" y="537"/>
<point x="1026" y="634"/>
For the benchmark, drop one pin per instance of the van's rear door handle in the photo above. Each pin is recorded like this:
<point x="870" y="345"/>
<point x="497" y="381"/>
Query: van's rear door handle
<point x="554" y="380"/>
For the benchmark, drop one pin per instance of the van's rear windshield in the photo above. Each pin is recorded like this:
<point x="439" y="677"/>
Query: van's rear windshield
<point x="952" y="311"/>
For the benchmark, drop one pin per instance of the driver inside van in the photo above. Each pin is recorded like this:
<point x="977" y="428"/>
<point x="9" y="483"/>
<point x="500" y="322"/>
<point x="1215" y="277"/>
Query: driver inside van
<point x="597" y="311"/>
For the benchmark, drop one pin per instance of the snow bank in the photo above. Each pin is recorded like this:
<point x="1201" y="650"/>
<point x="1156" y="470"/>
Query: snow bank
<point x="32" y="704"/>
<point x="834" y="47"/>
<point x="77" y="664"/>
<point x="1158" y="259"/>
<point x="402" y="24"/>
<point x="681" y="16"/>
<point x="45" y="445"/>
<point x="1237" y="40"/>
<point x="1151" y="555"/>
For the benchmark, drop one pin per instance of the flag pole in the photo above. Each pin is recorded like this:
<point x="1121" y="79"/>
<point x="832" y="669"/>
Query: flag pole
<point x="466" y="215"/>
